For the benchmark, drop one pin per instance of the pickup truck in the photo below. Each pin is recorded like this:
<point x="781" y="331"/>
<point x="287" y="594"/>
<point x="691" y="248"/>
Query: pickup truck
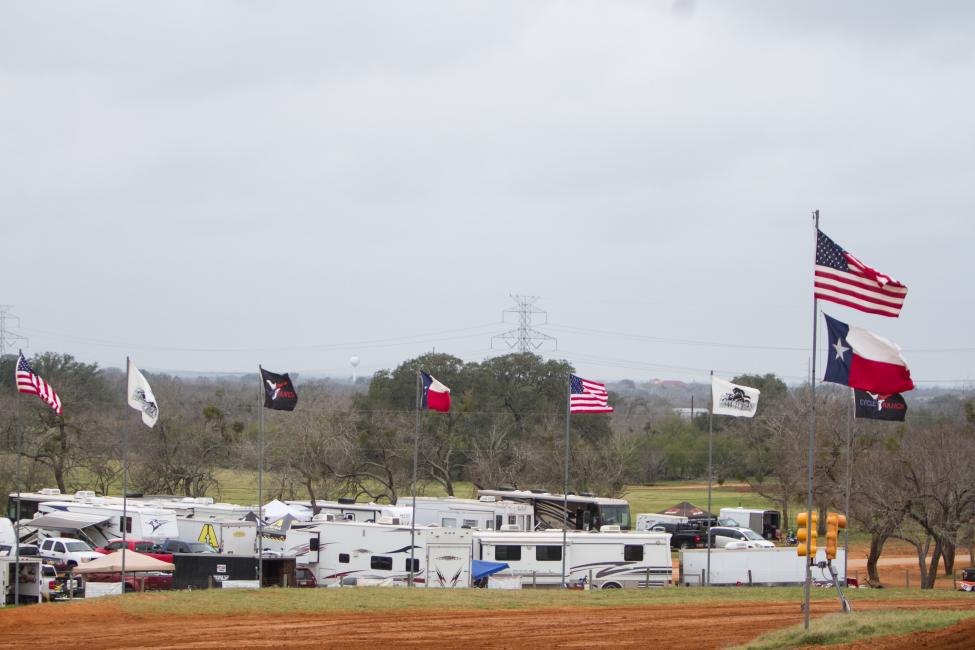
<point x="152" y="580"/>
<point x="683" y="535"/>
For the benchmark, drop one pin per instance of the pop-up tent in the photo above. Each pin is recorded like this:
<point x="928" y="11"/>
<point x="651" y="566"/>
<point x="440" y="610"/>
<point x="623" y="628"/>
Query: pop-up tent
<point x="481" y="569"/>
<point x="134" y="562"/>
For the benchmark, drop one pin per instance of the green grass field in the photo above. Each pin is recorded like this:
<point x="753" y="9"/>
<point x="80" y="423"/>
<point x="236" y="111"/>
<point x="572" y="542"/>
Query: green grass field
<point x="843" y="628"/>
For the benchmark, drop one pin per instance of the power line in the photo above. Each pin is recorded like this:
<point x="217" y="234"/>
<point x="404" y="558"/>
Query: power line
<point x="8" y="338"/>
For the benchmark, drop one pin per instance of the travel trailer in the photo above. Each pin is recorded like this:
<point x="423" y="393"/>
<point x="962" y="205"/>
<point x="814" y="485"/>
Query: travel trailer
<point x="613" y="559"/>
<point x="486" y="513"/>
<point x="362" y="553"/>
<point x="99" y="520"/>
<point x="585" y="511"/>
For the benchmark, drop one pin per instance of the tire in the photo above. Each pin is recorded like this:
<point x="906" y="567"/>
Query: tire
<point x="612" y="585"/>
<point x="129" y="588"/>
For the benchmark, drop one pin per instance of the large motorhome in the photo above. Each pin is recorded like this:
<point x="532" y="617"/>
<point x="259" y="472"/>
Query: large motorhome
<point x="351" y="552"/>
<point x="613" y="559"/>
<point x="31" y="501"/>
<point x="585" y="511"/>
<point x="100" y="520"/>
<point x="486" y="513"/>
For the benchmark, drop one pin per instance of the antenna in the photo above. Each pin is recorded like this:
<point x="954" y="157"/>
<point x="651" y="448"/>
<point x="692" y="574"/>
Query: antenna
<point x="8" y="338"/>
<point x="525" y="338"/>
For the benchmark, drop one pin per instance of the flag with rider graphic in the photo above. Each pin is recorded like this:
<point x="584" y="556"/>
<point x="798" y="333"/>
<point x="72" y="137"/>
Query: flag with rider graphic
<point x="732" y="399"/>
<point x="279" y="392"/>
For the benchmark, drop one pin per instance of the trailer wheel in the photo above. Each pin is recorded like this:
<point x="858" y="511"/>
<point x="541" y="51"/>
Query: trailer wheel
<point x="611" y="585"/>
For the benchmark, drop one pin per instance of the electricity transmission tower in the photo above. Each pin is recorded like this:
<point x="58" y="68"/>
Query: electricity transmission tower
<point x="525" y="338"/>
<point x="8" y="338"/>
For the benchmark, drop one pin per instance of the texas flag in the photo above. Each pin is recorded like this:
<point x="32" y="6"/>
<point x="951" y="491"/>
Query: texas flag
<point x="436" y="396"/>
<point x="859" y="358"/>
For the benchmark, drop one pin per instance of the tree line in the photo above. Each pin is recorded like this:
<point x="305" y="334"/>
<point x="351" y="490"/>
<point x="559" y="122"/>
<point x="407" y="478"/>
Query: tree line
<point x="506" y="427"/>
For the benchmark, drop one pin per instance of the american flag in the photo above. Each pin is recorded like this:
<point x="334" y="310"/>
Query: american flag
<point x="587" y="396"/>
<point x="842" y="278"/>
<point x="28" y="382"/>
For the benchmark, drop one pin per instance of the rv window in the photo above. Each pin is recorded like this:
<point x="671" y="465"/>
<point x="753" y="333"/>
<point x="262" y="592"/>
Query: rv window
<point x="343" y="558"/>
<point x="498" y="522"/>
<point x="381" y="563"/>
<point x="416" y="565"/>
<point x="125" y="523"/>
<point x="448" y="522"/>
<point x="633" y="553"/>
<point x="548" y="553"/>
<point x="507" y="553"/>
<point x="511" y="519"/>
<point x="469" y="523"/>
<point x="350" y="516"/>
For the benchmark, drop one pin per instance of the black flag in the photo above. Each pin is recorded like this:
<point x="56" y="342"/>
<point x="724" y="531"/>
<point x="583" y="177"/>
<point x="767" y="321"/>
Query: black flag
<point x="279" y="392"/>
<point x="873" y="406"/>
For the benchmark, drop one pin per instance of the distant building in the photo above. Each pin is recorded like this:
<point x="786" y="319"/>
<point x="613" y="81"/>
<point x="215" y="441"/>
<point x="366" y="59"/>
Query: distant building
<point x="687" y="413"/>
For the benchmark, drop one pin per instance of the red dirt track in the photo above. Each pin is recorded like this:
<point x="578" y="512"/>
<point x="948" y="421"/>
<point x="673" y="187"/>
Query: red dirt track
<point x="105" y="625"/>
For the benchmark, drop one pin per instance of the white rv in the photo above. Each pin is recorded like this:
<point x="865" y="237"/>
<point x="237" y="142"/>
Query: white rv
<point x="486" y="513"/>
<point x="360" y="553"/>
<point x="348" y="510"/>
<point x="614" y="559"/>
<point x="100" y="520"/>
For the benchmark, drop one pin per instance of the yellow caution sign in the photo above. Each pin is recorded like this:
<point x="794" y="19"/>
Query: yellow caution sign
<point x="208" y="535"/>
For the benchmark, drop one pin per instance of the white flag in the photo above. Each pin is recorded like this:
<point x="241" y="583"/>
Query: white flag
<point x="732" y="399"/>
<point x="141" y="397"/>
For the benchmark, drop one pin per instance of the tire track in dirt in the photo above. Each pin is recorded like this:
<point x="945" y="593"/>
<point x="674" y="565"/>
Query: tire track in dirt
<point x="105" y="625"/>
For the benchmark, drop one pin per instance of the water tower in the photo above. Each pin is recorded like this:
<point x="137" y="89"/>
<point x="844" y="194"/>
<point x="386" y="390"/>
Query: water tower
<point x="355" y="364"/>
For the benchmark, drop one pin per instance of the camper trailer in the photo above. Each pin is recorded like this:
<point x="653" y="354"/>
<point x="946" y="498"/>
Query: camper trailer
<point x="767" y="523"/>
<point x="97" y="520"/>
<point x="486" y="513"/>
<point x="612" y="558"/>
<point x="350" y="510"/>
<point x="585" y="511"/>
<point x="362" y="553"/>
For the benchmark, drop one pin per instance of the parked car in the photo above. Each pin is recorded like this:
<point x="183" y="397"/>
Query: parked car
<point x="67" y="551"/>
<point x="305" y="577"/>
<point x="26" y="550"/>
<point x="185" y="546"/>
<point x="145" y="546"/>
<point x="731" y="537"/>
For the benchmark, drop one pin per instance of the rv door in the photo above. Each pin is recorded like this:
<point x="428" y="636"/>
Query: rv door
<point x="448" y="566"/>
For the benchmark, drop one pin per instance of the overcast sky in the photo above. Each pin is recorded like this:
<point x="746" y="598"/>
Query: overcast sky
<point x="206" y="186"/>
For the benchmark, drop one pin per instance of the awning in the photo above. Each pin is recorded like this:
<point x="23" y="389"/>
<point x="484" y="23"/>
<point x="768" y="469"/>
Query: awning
<point x="67" y="521"/>
<point x="481" y="569"/>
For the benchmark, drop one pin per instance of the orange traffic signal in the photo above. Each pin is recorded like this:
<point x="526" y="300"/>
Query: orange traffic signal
<point x="807" y="546"/>
<point x="834" y="523"/>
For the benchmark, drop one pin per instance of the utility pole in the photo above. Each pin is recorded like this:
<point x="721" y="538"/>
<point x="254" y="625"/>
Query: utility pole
<point x="525" y="338"/>
<point x="8" y="338"/>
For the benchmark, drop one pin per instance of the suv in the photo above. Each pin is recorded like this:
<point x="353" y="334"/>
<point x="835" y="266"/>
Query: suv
<point x="184" y="546"/>
<point x="143" y="546"/>
<point x="732" y="537"/>
<point x="305" y="577"/>
<point x="67" y="551"/>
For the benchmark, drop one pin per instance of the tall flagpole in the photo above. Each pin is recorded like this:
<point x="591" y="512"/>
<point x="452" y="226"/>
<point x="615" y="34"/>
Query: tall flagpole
<point x="849" y="480"/>
<point x="260" y="480"/>
<point x="20" y="452"/>
<point x="710" y="471"/>
<point x="812" y="441"/>
<point x="565" y="478"/>
<point x="416" y="454"/>
<point x="125" y="476"/>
